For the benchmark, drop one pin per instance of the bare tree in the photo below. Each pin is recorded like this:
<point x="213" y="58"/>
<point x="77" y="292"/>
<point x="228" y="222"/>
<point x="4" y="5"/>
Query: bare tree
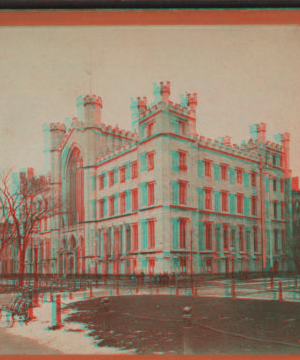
<point x="23" y="204"/>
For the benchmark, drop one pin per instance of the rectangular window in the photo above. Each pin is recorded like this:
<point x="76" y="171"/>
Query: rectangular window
<point x="182" y="161"/>
<point x="224" y="201"/>
<point x="232" y="176"/>
<point x="111" y="176"/>
<point x="182" y="127"/>
<point x="275" y="209"/>
<point x="143" y="198"/>
<point x="239" y="175"/>
<point x="241" y="238"/>
<point x="122" y="174"/>
<point x="274" y="160"/>
<point x="246" y="179"/>
<point x="200" y="168"/>
<point x="111" y="206"/>
<point x="274" y="185"/>
<point x="101" y="182"/>
<point x="143" y="160"/>
<point x="150" y="129"/>
<point x="150" y="161"/>
<point x="208" y="236"/>
<point x="182" y="192"/>
<point x="276" y="240"/>
<point x="134" y="170"/>
<point x="135" y="231"/>
<point x="224" y="169"/>
<point x="207" y="167"/>
<point x="134" y="196"/>
<point x="282" y="185"/>
<point x="239" y="203"/>
<point x="253" y="179"/>
<point x="101" y="208"/>
<point x="254" y="205"/>
<point x="282" y="210"/>
<point x="225" y="236"/>
<point x="208" y="199"/>
<point x="151" y="233"/>
<point x="151" y="199"/>
<point x="182" y="232"/>
<point x="255" y="239"/>
<point x="122" y="203"/>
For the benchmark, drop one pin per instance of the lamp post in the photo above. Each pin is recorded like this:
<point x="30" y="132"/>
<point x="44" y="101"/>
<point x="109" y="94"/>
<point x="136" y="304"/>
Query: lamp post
<point x="192" y="255"/>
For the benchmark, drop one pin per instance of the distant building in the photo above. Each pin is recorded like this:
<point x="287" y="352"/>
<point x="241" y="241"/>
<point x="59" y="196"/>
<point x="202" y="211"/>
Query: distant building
<point x="162" y="198"/>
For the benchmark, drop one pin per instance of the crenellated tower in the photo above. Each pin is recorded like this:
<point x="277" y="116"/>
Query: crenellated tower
<point x="89" y="110"/>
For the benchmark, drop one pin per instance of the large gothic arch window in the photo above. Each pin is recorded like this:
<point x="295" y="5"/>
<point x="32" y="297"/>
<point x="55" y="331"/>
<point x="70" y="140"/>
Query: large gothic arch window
<point x="75" y="188"/>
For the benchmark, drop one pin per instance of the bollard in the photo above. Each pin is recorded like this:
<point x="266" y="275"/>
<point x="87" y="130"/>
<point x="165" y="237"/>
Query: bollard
<point x="70" y="295"/>
<point x="196" y="291"/>
<point x="56" y="312"/>
<point x="137" y="290"/>
<point x="187" y="331"/>
<point x="233" y="289"/>
<point x="177" y="291"/>
<point x="150" y="290"/>
<point x="106" y="324"/>
<point x="118" y="289"/>
<point x="91" y="291"/>
<point x="280" y="291"/>
<point x="157" y="291"/>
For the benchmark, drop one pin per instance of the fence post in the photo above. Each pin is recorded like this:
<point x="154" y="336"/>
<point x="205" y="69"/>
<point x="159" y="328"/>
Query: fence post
<point x="187" y="331"/>
<point x="177" y="290"/>
<point x="233" y="289"/>
<point x="118" y="293"/>
<point x="272" y="280"/>
<point x="56" y="312"/>
<point x="105" y="302"/>
<point x="280" y="291"/>
<point x="91" y="291"/>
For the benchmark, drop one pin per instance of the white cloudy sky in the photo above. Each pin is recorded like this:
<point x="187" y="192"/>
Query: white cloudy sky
<point x="242" y="75"/>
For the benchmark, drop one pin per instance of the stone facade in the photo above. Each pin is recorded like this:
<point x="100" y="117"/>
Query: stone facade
<point x="163" y="198"/>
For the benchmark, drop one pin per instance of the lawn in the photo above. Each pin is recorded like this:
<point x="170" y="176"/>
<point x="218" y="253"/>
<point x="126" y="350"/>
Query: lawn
<point x="270" y="321"/>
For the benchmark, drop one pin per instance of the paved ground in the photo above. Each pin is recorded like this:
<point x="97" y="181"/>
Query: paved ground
<point x="250" y="314"/>
<point x="17" y="345"/>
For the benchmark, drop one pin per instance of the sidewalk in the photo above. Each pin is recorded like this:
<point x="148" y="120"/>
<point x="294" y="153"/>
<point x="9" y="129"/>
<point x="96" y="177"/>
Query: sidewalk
<point x="18" y="345"/>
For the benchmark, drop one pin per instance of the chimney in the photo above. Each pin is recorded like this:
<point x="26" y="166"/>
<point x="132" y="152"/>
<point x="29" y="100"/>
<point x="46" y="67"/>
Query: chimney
<point x="262" y="127"/>
<point x="156" y="92"/>
<point x="295" y="183"/>
<point x="254" y="132"/>
<point x="142" y="103"/>
<point x="165" y="91"/>
<point x="192" y="104"/>
<point x="286" y="154"/>
<point x="30" y="173"/>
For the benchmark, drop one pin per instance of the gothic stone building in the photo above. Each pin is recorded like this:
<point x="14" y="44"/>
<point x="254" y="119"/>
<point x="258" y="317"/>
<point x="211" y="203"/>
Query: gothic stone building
<point x="162" y="198"/>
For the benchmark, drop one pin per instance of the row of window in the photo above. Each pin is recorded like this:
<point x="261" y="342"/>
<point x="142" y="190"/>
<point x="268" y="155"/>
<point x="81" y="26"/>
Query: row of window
<point x="236" y="203"/>
<point x="238" y="244"/>
<point x="239" y="241"/>
<point x="125" y="172"/>
<point x="127" y="200"/>
<point x="237" y="175"/>
<point x="144" y="229"/>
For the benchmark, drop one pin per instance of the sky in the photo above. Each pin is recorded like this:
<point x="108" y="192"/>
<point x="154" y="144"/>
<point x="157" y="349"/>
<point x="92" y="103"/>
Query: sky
<point x="242" y="75"/>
